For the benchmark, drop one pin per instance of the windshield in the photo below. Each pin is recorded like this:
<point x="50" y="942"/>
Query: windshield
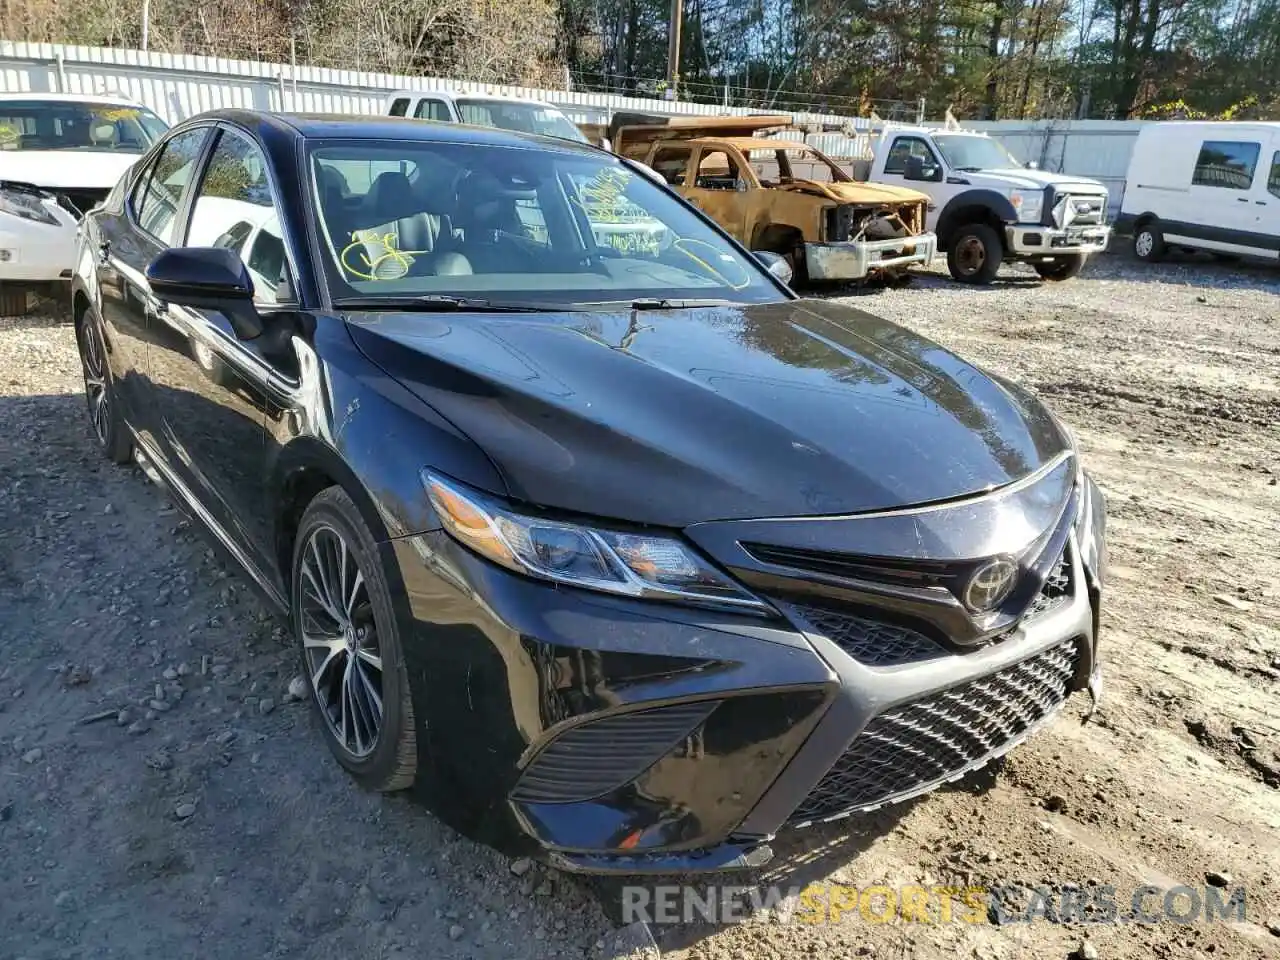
<point x="411" y="219"/>
<point x="524" y="117"/>
<point x="974" y="153"/>
<point x="76" y="125"/>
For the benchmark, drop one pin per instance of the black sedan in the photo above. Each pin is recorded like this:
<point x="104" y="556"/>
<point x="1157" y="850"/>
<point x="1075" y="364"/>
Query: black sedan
<point x="589" y="531"/>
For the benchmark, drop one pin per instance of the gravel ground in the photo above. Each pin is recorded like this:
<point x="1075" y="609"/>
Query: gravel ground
<point x="161" y="794"/>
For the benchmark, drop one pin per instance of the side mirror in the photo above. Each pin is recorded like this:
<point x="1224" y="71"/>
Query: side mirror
<point x="917" y="169"/>
<point x="1032" y="165"/>
<point x="778" y="265"/>
<point x="207" y="278"/>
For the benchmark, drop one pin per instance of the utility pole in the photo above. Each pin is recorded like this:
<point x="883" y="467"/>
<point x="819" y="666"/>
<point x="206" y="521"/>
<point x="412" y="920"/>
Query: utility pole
<point x="673" y="48"/>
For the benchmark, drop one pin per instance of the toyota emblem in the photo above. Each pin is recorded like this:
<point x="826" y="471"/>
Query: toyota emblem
<point x="991" y="585"/>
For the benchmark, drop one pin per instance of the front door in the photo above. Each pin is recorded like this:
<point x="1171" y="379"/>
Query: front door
<point x="902" y="149"/>
<point x="720" y="184"/>
<point x="212" y="388"/>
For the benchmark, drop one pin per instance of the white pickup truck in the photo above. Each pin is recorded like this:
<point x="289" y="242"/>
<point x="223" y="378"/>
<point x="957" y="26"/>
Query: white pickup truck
<point x="987" y="208"/>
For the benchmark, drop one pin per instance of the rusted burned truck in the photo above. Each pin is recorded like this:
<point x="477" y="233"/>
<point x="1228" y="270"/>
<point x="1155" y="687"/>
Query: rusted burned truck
<point x="781" y="195"/>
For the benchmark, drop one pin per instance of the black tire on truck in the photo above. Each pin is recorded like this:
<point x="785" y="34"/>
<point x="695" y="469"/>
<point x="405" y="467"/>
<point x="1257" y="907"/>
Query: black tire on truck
<point x="974" y="253"/>
<point x="1062" y="268"/>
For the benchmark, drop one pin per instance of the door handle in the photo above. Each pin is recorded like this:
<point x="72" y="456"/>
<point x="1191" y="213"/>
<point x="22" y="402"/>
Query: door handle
<point x="1261" y="203"/>
<point x="1242" y="199"/>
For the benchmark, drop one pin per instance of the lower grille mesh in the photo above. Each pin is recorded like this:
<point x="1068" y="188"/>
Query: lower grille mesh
<point x="596" y="758"/>
<point x="914" y="747"/>
<point x="1056" y="590"/>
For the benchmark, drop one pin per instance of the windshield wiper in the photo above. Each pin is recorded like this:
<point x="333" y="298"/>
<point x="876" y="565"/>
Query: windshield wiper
<point x="665" y="303"/>
<point x="968" y="169"/>
<point x="444" y="303"/>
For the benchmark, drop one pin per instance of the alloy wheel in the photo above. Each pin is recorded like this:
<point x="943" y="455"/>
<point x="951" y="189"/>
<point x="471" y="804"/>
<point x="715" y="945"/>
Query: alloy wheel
<point x="1144" y="244"/>
<point x="340" y="641"/>
<point x="971" y="254"/>
<point x="94" y="361"/>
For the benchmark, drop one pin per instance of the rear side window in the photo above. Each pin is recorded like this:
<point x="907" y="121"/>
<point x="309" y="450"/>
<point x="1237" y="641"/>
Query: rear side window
<point x="432" y="110"/>
<point x="1273" y="181"/>
<point x="400" y="106"/>
<point x="1226" y="163"/>
<point x="159" y="192"/>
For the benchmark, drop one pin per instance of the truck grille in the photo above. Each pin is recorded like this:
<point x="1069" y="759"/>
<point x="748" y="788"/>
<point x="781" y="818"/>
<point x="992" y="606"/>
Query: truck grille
<point x="1080" y="210"/>
<point x="913" y="748"/>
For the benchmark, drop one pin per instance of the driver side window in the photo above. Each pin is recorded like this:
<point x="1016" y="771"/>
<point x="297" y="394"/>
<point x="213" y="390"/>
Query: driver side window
<point x="234" y="194"/>
<point x="904" y="148"/>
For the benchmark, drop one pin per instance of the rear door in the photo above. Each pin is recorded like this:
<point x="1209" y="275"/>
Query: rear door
<point x="129" y="242"/>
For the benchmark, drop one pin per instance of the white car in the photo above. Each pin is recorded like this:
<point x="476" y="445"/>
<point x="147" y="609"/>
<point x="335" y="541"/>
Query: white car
<point x="484" y="110"/>
<point x="60" y="155"/>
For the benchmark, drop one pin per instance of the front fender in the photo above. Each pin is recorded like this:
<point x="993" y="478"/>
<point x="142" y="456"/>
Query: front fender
<point x="963" y="206"/>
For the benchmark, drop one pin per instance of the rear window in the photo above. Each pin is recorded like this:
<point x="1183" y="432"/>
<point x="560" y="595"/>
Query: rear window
<point x="400" y="106"/>
<point x="1226" y="163"/>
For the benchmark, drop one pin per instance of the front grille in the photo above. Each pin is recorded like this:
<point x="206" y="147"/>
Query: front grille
<point x="597" y="757"/>
<point x="872" y="642"/>
<point x="1056" y="590"/>
<point x="890" y="570"/>
<point x="911" y="749"/>
<point x="1075" y="210"/>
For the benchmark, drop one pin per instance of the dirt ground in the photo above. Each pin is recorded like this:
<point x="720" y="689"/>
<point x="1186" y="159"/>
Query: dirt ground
<point x="161" y="795"/>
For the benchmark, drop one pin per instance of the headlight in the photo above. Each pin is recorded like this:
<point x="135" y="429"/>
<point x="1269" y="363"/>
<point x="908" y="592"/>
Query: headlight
<point x="28" y="206"/>
<point x="614" y="561"/>
<point x="1028" y="204"/>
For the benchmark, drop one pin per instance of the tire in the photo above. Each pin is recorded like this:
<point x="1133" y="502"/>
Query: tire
<point x="350" y="647"/>
<point x="105" y="420"/>
<point x="1148" y="242"/>
<point x="1063" y="268"/>
<point x="974" y="253"/>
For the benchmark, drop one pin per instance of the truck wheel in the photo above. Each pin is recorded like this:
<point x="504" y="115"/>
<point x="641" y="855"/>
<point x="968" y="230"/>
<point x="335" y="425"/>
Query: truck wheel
<point x="1148" y="242"/>
<point x="1063" y="268"/>
<point x="974" y="254"/>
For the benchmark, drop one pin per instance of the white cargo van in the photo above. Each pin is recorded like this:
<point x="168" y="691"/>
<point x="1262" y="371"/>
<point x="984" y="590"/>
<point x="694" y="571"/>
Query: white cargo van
<point x="1204" y="186"/>
<point x="509" y="113"/>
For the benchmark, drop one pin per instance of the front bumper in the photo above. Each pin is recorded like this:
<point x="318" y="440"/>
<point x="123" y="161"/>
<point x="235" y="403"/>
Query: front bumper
<point x="613" y="736"/>
<point x="1033" y="240"/>
<point x="854" y="260"/>
<point x="37" y="252"/>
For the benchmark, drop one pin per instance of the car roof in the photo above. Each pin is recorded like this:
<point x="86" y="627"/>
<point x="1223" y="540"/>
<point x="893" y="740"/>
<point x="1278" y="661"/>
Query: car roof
<point x="317" y="126"/>
<point x="70" y="98"/>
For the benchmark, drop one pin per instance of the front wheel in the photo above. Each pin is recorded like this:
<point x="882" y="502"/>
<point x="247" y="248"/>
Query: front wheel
<point x="1063" y="268"/>
<point x="350" y="645"/>
<point x="974" y="254"/>
<point x="1148" y="242"/>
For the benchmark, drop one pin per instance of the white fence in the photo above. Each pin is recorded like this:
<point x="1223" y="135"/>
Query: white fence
<point x="178" y="86"/>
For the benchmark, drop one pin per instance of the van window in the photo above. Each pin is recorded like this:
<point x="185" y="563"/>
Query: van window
<point x="1273" y="181"/>
<point x="1226" y="163"/>
<point x="432" y="110"/>
<point x="400" y="106"/>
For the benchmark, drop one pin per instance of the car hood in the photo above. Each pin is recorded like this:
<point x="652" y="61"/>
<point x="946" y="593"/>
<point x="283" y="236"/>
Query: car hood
<point x="856" y="192"/>
<point x="66" y="169"/>
<point x="1018" y="178"/>
<point x="796" y="408"/>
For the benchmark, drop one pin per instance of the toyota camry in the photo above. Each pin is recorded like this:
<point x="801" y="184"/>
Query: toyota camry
<point x="588" y="530"/>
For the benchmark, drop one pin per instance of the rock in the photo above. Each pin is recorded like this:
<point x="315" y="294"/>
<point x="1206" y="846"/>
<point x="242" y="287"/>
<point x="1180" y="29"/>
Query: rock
<point x="544" y="889"/>
<point x="170" y="673"/>
<point x="1056" y="803"/>
<point x="219" y="669"/>
<point x="266" y="705"/>
<point x="1235" y="603"/>
<point x="34" y="755"/>
<point x="522" y="866"/>
<point x="160" y="760"/>
<point x="1274" y="927"/>
<point x="185" y="811"/>
<point x="184" y="669"/>
<point x="224" y="738"/>
<point x="139" y="727"/>
<point x="1216" y="878"/>
<point x="456" y="932"/>
<point x="63" y="899"/>
<point x="298" y="688"/>
<point x="1086" y="951"/>
<point x="160" y="706"/>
